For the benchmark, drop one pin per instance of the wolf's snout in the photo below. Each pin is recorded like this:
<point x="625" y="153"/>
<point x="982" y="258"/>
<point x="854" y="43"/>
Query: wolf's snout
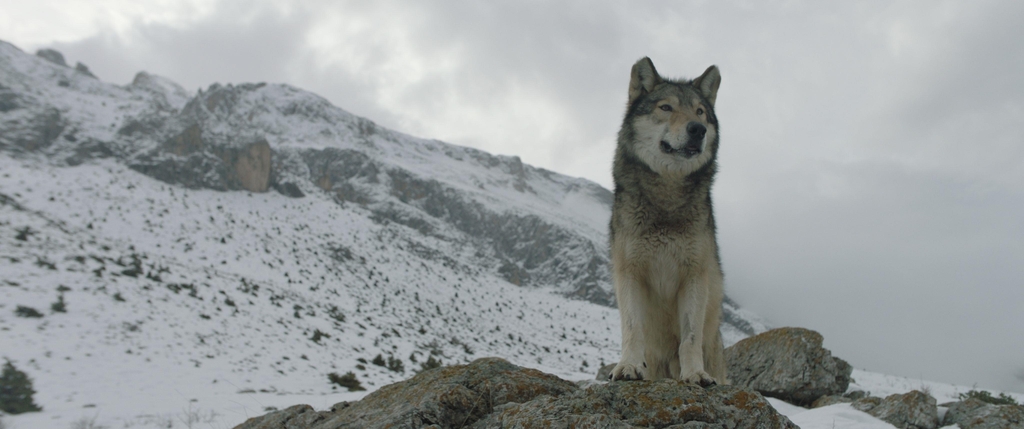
<point x="696" y="130"/>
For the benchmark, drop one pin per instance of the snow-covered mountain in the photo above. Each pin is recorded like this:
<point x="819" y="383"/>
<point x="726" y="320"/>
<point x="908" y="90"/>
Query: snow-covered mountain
<point x="214" y="252"/>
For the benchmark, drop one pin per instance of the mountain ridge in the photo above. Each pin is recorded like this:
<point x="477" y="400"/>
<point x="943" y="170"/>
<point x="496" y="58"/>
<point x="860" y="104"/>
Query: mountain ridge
<point x="282" y="239"/>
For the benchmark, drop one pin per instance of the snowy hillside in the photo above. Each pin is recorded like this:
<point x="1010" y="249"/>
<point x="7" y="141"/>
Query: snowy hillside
<point x="221" y="254"/>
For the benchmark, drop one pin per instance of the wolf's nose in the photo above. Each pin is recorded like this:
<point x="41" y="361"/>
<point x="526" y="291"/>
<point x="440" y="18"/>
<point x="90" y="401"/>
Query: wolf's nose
<point x="696" y="130"/>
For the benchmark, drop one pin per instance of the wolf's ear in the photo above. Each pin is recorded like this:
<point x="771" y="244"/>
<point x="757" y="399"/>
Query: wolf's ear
<point x="708" y="83"/>
<point x="643" y="79"/>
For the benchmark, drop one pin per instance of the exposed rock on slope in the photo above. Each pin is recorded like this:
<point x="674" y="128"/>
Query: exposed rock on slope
<point x="975" y="414"/>
<point x="789" y="364"/>
<point x="492" y="393"/>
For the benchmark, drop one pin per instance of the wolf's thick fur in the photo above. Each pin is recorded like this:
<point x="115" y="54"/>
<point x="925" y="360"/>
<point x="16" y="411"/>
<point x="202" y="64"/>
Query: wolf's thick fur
<point x="665" y="264"/>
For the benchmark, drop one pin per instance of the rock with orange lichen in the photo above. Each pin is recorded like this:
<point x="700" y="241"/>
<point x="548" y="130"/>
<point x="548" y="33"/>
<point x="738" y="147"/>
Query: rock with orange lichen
<point x="453" y="396"/>
<point x="492" y="393"/>
<point x="659" y="404"/>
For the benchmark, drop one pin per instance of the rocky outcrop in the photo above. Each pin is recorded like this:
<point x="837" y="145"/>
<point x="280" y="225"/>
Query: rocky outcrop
<point x="913" y="410"/>
<point x="453" y="396"/>
<point x="975" y="414"/>
<point x="83" y="69"/>
<point x="660" y="404"/>
<point x="531" y="251"/>
<point x="789" y="364"/>
<point x="186" y="143"/>
<point x="52" y="56"/>
<point x="188" y="159"/>
<point x="250" y="165"/>
<point x="38" y="128"/>
<point x="492" y="393"/>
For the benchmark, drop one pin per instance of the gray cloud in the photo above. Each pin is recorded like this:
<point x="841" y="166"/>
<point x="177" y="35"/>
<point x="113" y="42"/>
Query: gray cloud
<point x="871" y="160"/>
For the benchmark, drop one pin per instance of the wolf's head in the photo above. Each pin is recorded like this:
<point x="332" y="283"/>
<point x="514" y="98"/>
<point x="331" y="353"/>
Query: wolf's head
<point x="670" y="125"/>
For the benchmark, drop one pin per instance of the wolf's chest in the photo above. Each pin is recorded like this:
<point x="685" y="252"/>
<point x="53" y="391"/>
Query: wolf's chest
<point x="670" y="246"/>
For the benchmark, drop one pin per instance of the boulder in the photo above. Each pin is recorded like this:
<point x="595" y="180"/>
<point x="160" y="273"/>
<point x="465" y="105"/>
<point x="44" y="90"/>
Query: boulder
<point x="83" y="69"/>
<point x="789" y="364"/>
<point x="492" y="393"/>
<point x="913" y="410"/>
<point x="976" y="414"/>
<point x="53" y="56"/>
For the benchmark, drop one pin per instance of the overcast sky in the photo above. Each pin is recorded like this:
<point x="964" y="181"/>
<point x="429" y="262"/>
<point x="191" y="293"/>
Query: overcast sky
<point x="872" y="161"/>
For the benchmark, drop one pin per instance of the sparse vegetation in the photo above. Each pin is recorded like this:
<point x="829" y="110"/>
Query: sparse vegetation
<point x="24" y="233"/>
<point x="135" y="266"/>
<point x="43" y="263"/>
<point x="430" y="363"/>
<point x="318" y="335"/>
<point x="335" y="314"/>
<point x="395" y="364"/>
<point x="87" y="423"/>
<point x="986" y="396"/>
<point x="192" y="417"/>
<point x="59" y="306"/>
<point x="392" y="363"/>
<point x="379" y="361"/>
<point x="16" y="391"/>
<point x="25" y="311"/>
<point x="348" y="381"/>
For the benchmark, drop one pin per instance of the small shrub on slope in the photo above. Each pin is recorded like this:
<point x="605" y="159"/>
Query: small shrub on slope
<point x="348" y="381"/>
<point x="431" y="363"/>
<point x="23" y="311"/>
<point x="16" y="391"/>
<point x="59" y="306"/>
<point x="395" y="365"/>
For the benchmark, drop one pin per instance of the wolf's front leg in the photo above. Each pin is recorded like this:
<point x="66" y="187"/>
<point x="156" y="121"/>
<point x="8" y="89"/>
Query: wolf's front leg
<point x="631" y="298"/>
<point x="693" y="302"/>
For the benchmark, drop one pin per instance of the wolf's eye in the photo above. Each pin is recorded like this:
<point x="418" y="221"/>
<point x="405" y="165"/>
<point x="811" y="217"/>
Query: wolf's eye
<point x="700" y="111"/>
<point x="665" y="107"/>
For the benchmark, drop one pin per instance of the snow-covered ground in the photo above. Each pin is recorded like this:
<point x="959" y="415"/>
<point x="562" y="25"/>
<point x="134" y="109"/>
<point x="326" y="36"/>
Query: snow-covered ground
<point x="179" y="299"/>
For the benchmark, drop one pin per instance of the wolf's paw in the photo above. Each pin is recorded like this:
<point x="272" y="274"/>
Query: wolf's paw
<point x="626" y="371"/>
<point x="698" y="377"/>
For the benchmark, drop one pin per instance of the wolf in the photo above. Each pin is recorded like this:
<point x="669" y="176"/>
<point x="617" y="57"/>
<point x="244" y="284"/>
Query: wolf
<point x="665" y="260"/>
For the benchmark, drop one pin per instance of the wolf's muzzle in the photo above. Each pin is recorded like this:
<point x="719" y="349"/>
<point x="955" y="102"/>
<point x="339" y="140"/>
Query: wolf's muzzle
<point x="695" y="132"/>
